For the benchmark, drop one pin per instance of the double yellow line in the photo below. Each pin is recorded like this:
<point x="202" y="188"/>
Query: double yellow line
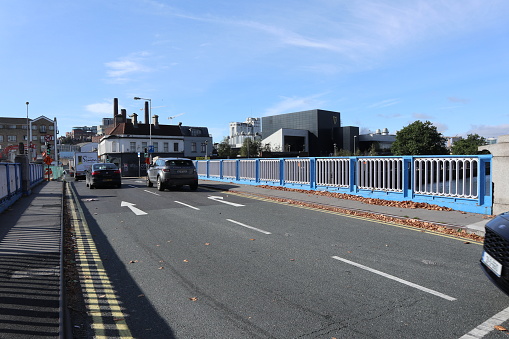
<point x="107" y="318"/>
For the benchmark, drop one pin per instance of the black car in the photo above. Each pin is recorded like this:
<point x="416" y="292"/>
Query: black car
<point x="495" y="257"/>
<point x="103" y="174"/>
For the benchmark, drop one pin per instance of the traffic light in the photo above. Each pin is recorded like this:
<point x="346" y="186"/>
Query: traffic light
<point x="48" y="149"/>
<point x="146" y="152"/>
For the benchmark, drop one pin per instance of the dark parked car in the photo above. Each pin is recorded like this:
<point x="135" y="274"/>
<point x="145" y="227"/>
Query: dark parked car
<point x="495" y="257"/>
<point x="168" y="172"/>
<point x="103" y="174"/>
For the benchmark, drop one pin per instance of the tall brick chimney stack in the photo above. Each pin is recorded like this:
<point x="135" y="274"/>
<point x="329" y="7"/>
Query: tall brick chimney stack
<point x="124" y="115"/>
<point x="147" y="114"/>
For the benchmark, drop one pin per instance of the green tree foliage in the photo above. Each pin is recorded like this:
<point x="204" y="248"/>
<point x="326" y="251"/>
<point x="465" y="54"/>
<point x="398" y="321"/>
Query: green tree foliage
<point x="419" y="138"/>
<point x="250" y="148"/>
<point x="469" y="145"/>
<point x="224" y="150"/>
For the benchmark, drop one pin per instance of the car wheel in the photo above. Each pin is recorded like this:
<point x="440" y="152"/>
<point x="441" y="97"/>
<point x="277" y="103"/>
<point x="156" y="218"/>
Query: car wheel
<point x="193" y="187"/>
<point x="91" y="186"/>
<point x="160" y="186"/>
<point x="149" y="183"/>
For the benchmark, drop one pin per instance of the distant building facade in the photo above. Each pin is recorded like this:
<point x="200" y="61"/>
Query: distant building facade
<point x="34" y="134"/>
<point x="314" y="132"/>
<point x="241" y="131"/>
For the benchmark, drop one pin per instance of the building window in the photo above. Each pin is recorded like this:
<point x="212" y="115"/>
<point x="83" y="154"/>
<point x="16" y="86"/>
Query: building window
<point x="51" y="127"/>
<point x="166" y="147"/>
<point x="193" y="147"/>
<point x="12" y="126"/>
<point x="203" y="147"/>
<point x="11" y="138"/>
<point x="132" y="147"/>
<point x="24" y="127"/>
<point x="42" y="128"/>
<point x="41" y="139"/>
<point x="113" y="146"/>
<point x="25" y="137"/>
<point x="175" y="147"/>
<point x="34" y="127"/>
<point x="156" y="147"/>
<point x="1" y="138"/>
<point x="144" y="146"/>
<point x="34" y="137"/>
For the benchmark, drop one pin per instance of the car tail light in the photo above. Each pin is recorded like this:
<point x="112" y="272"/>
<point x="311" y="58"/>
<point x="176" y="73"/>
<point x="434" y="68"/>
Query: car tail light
<point x="95" y="173"/>
<point x="117" y="171"/>
<point x="166" y="169"/>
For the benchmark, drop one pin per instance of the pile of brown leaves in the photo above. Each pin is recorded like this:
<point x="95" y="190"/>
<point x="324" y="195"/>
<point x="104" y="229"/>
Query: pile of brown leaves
<point x="371" y="201"/>
<point x="424" y="225"/>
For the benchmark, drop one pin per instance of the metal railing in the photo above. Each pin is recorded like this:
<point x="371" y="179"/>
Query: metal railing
<point x="459" y="182"/>
<point x="11" y="181"/>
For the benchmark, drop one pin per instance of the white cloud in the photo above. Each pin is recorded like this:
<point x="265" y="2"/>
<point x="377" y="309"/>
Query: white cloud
<point x="422" y="116"/>
<point x="100" y="109"/>
<point x="489" y="131"/>
<point x="294" y="104"/>
<point x="385" y="103"/>
<point x="125" y="66"/>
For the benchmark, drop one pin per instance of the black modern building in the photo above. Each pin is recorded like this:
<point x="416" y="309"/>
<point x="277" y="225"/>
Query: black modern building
<point x="325" y="134"/>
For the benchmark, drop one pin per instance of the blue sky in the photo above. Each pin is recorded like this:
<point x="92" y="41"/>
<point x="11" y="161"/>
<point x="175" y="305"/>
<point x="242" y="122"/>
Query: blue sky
<point x="381" y="63"/>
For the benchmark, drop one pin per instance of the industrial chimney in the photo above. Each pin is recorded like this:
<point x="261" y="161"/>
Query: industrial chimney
<point x="146" y="113"/>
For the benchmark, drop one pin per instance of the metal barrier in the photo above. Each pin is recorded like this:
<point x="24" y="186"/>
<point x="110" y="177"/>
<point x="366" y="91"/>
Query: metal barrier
<point x="459" y="182"/>
<point x="11" y="181"/>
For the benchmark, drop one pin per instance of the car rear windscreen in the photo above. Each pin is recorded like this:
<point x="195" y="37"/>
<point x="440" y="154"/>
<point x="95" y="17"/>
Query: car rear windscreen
<point x="183" y="163"/>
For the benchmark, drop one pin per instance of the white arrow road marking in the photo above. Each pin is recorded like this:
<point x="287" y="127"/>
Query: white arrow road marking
<point x="135" y="210"/>
<point x="220" y="199"/>
<point x="247" y="226"/>
<point x="194" y="208"/>
<point x="151" y="192"/>
<point x="408" y="283"/>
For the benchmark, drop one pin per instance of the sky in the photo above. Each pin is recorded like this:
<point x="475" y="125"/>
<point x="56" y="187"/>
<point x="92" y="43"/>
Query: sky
<point x="380" y="63"/>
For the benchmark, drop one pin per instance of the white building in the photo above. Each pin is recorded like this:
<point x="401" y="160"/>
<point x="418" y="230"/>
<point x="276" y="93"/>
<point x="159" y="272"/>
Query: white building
<point x="240" y="131"/>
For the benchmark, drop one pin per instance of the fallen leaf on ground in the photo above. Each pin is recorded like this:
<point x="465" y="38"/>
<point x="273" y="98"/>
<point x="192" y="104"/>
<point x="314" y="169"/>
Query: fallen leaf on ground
<point x="500" y="328"/>
<point x="193" y="299"/>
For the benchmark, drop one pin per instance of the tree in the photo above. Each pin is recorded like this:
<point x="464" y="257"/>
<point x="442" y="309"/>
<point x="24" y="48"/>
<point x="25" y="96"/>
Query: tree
<point x="469" y="145"/>
<point x="224" y="149"/>
<point x="250" y="148"/>
<point x="419" y="138"/>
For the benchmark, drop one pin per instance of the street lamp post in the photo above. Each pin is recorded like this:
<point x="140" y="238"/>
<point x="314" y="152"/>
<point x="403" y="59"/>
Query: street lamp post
<point x="29" y="134"/>
<point x="149" y="122"/>
<point x="206" y="149"/>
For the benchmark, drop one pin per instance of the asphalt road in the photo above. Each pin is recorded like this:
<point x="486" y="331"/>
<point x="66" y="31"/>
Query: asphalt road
<point x="208" y="264"/>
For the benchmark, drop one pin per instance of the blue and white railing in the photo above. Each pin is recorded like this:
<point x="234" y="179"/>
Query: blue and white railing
<point x="459" y="182"/>
<point x="11" y="187"/>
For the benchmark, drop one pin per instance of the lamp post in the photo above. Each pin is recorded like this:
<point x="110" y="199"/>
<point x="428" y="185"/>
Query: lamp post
<point x="206" y="149"/>
<point x="149" y="122"/>
<point x="354" y="144"/>
<point x="29" y="134"/>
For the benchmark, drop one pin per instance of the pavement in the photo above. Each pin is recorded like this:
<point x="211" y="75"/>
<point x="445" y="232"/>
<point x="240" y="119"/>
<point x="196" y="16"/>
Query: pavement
<point x="30" y="237"/>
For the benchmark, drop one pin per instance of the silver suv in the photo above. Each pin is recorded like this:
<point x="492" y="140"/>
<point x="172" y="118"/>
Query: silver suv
<point x="168" y="172"/>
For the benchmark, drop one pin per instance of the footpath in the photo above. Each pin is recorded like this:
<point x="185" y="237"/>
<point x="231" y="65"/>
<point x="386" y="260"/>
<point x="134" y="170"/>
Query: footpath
<point x="31" y="233"/>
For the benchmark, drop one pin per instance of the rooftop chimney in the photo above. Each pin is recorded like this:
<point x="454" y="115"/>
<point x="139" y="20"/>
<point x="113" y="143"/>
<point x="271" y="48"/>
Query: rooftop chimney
<point x="115" y="107"/>
<point x="155" y="118"/>
<point x="124" y="114"/>
<point x="134" y="116"/>
<point x="147" y="114"/>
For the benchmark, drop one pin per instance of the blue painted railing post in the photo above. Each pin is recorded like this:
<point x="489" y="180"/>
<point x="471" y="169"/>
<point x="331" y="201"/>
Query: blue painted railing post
<point x="482" y="190"/>
<point x="257" y="170"/>
<point x="237" y="169"/>
<point x="312" y="173"/>
<point x="207" y="165"/>
<point x="281" y="172"/>
<point x="8" y="179"/>
<point x="407" y="177"/>
<point x="221" y="169"/>
<point x="352" y="174"/>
